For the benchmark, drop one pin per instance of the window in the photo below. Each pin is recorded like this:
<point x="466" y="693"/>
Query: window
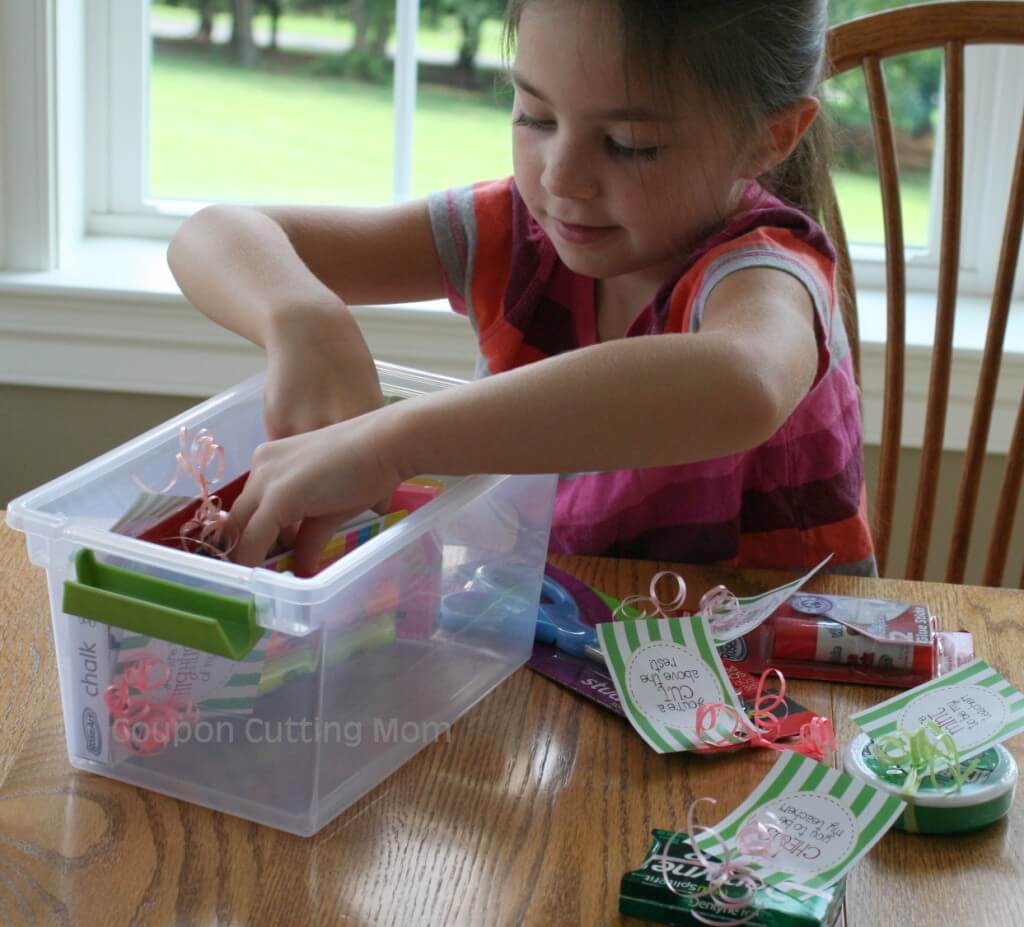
<point x="994" y="99"/>
<point x="914" y="84"/>
<point x="171" y="123"/>
<point x="333" y="106"/>
<point x="180" y="122"/>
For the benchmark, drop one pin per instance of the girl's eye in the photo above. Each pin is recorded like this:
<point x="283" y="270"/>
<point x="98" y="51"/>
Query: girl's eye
<point x="529" y="122"/>
<point x="631" y="154"/>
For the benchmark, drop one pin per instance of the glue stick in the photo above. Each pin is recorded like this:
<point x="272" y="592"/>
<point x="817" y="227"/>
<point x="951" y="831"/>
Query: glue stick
<point x="811" y="640"/>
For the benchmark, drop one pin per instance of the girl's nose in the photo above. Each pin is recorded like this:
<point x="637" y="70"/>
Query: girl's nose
<point x="569" y="170"/>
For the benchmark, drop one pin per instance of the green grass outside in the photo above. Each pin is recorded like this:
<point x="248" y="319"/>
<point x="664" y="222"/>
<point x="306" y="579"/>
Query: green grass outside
<point x="218" y="132"/>
<point x="444" y="38"/>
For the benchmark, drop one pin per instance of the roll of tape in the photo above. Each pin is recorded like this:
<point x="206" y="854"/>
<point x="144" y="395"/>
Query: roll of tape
<point x="984" y="798"/>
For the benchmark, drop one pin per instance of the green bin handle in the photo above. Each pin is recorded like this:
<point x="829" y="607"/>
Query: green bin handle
<point x="160" y="608"/>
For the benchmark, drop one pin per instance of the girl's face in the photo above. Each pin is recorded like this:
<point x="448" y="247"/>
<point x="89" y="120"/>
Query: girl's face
<point x="623" y="183"/>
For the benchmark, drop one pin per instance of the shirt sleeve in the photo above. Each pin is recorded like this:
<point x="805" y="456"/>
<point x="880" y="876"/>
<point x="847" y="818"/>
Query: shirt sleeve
<point x="472" y="233"/>
<point x="782" y="250"/>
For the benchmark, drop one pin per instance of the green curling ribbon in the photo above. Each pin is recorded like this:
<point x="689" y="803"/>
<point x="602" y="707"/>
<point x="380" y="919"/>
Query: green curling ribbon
<point x="919" y="756"/>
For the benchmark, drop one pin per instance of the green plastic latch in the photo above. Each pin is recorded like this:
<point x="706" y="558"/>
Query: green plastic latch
<point x="161" y="608"/>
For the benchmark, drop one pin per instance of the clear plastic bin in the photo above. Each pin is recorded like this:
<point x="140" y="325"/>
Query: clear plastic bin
<point x="309" y="691"/>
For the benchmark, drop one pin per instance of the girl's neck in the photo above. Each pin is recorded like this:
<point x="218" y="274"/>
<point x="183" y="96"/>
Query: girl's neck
<point x="619" y="300"/>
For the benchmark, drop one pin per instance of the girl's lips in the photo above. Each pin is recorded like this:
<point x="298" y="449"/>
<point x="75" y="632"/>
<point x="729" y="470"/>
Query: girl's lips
<point x="582" y="234"/>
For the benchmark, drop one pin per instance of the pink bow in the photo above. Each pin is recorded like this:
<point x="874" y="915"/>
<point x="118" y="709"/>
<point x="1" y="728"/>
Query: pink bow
<point x="731" y="886"/>
<point x="205" y="529"/>
<point x="144" y="725"/>
<point x="760" y="726"/>
<point x="714" y="601"/>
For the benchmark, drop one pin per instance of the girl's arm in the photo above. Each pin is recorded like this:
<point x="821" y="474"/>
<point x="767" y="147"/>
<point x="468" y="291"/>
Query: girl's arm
<point x="283" y="278"/>
<point x="244" y="266"/>
<point x="635" y="402"/>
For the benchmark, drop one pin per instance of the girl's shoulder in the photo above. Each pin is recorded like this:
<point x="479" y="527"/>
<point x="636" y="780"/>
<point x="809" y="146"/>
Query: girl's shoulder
<point x="491" y="249"/>
<point x="763" y="232"/>
<point x="764" y="217"/>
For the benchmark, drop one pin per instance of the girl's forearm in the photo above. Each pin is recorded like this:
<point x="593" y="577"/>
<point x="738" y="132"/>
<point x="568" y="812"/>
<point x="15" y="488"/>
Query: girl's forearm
<point x="637" y="402"/>
<point x="237" y="266"/>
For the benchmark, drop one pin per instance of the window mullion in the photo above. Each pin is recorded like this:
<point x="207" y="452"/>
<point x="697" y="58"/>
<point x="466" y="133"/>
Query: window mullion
<point x="407" y="16"/>
<point x="1004" y="106"/>
<point x="128" y="70"/>
<point x="28" y="186"/>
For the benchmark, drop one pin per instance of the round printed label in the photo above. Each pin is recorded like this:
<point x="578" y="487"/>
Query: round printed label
<point x="735" y="650"/>
<point x="818" y="832"/>
<point x="670" y="683"/>
<point x="971" y="715"/>
<point x="811" y="604"/>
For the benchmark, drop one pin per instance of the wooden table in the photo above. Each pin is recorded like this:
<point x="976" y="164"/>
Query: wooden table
<point x="528" y="813"/>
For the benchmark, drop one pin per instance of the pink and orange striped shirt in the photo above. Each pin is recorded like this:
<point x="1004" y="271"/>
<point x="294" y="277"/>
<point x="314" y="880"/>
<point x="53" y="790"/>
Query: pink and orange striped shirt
<point x="785" y="504"/>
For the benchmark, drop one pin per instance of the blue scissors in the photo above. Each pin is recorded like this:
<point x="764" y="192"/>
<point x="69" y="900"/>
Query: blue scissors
<point x="558" y="622"/>
<point x="558" y="616"/>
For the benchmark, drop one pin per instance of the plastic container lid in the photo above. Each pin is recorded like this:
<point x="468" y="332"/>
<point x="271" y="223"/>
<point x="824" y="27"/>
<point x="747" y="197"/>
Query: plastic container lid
<point x="983" y="799"/>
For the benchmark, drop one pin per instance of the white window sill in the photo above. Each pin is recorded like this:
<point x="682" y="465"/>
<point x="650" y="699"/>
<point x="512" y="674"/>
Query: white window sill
<point x="112" y="318"/>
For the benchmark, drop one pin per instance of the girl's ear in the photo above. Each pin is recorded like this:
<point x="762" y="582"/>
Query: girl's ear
<point x="781" y="136"/>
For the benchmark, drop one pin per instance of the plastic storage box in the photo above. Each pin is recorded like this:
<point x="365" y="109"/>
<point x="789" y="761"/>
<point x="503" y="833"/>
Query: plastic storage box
<point x="306" y="692"/>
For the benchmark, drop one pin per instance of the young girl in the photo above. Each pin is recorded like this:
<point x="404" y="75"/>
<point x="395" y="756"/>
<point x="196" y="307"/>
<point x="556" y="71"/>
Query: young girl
<point x="665" y="328"/>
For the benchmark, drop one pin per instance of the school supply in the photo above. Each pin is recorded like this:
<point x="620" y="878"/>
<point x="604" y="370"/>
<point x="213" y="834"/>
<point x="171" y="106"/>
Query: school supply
<point x="847" y="639"/>
<point x="921" y="744"/>
<point x="963" y="797"/>
<point x="350" y="537"/>
<point x="567" y="618"/>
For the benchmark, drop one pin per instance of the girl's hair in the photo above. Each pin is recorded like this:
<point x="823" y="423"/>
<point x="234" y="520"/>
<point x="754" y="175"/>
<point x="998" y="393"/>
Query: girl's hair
<point x="754" y="58"/>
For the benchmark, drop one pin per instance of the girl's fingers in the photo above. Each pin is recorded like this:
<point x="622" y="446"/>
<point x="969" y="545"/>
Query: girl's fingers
<point x="252" y="524"/>
<point x="313" y="536"/>
<point x="257" y="537"/>
<point x="286" y="539"/>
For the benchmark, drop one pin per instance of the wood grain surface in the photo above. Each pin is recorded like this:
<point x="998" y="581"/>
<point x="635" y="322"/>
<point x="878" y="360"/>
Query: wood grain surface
<point x="528" y="812"/>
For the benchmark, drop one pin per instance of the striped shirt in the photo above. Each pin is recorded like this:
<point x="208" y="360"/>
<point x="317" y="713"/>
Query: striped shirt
<point x="785" y="504"/>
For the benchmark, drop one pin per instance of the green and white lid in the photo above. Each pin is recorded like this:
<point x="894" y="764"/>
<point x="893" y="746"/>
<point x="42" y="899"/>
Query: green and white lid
<point x="939" y="807"/>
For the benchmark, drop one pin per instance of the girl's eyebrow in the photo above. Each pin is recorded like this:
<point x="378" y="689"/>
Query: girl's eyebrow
<point x="621" y="114"/>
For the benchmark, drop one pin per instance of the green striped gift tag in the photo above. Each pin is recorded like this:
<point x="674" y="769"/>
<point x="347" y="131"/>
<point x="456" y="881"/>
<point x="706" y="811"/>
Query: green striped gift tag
<point x="828" y="822"/>
<point x="975" y="705"/>
<point x="215" y="684"/>
<point x="664" y="670"/>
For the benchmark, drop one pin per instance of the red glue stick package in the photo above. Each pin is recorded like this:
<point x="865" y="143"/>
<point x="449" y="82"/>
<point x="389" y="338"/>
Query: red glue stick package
<point x="845" y="639"/>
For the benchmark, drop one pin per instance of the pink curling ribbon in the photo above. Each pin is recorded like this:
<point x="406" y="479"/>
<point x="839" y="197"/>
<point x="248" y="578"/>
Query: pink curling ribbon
<point x="759" y="727"/>
<point x="205" y="529"/>
<point x="661" y="606"/>
<point x="143" y="724"/>
<point x="716" y="601"/>
<point x="731" y="886"/>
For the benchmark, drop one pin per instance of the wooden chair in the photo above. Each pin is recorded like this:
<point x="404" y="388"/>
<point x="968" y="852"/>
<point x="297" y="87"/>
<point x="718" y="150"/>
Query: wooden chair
<point x="865" y="43"/>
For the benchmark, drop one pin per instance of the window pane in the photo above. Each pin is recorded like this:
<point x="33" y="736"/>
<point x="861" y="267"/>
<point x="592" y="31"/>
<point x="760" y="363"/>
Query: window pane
<point x="291" y="123"/>
<point x="913" y="83"/>
<point x="463" y="130"/>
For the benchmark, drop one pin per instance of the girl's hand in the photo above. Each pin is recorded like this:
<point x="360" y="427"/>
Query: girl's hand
<point x="319" y="370"/>
<point x="318" y="479"/>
